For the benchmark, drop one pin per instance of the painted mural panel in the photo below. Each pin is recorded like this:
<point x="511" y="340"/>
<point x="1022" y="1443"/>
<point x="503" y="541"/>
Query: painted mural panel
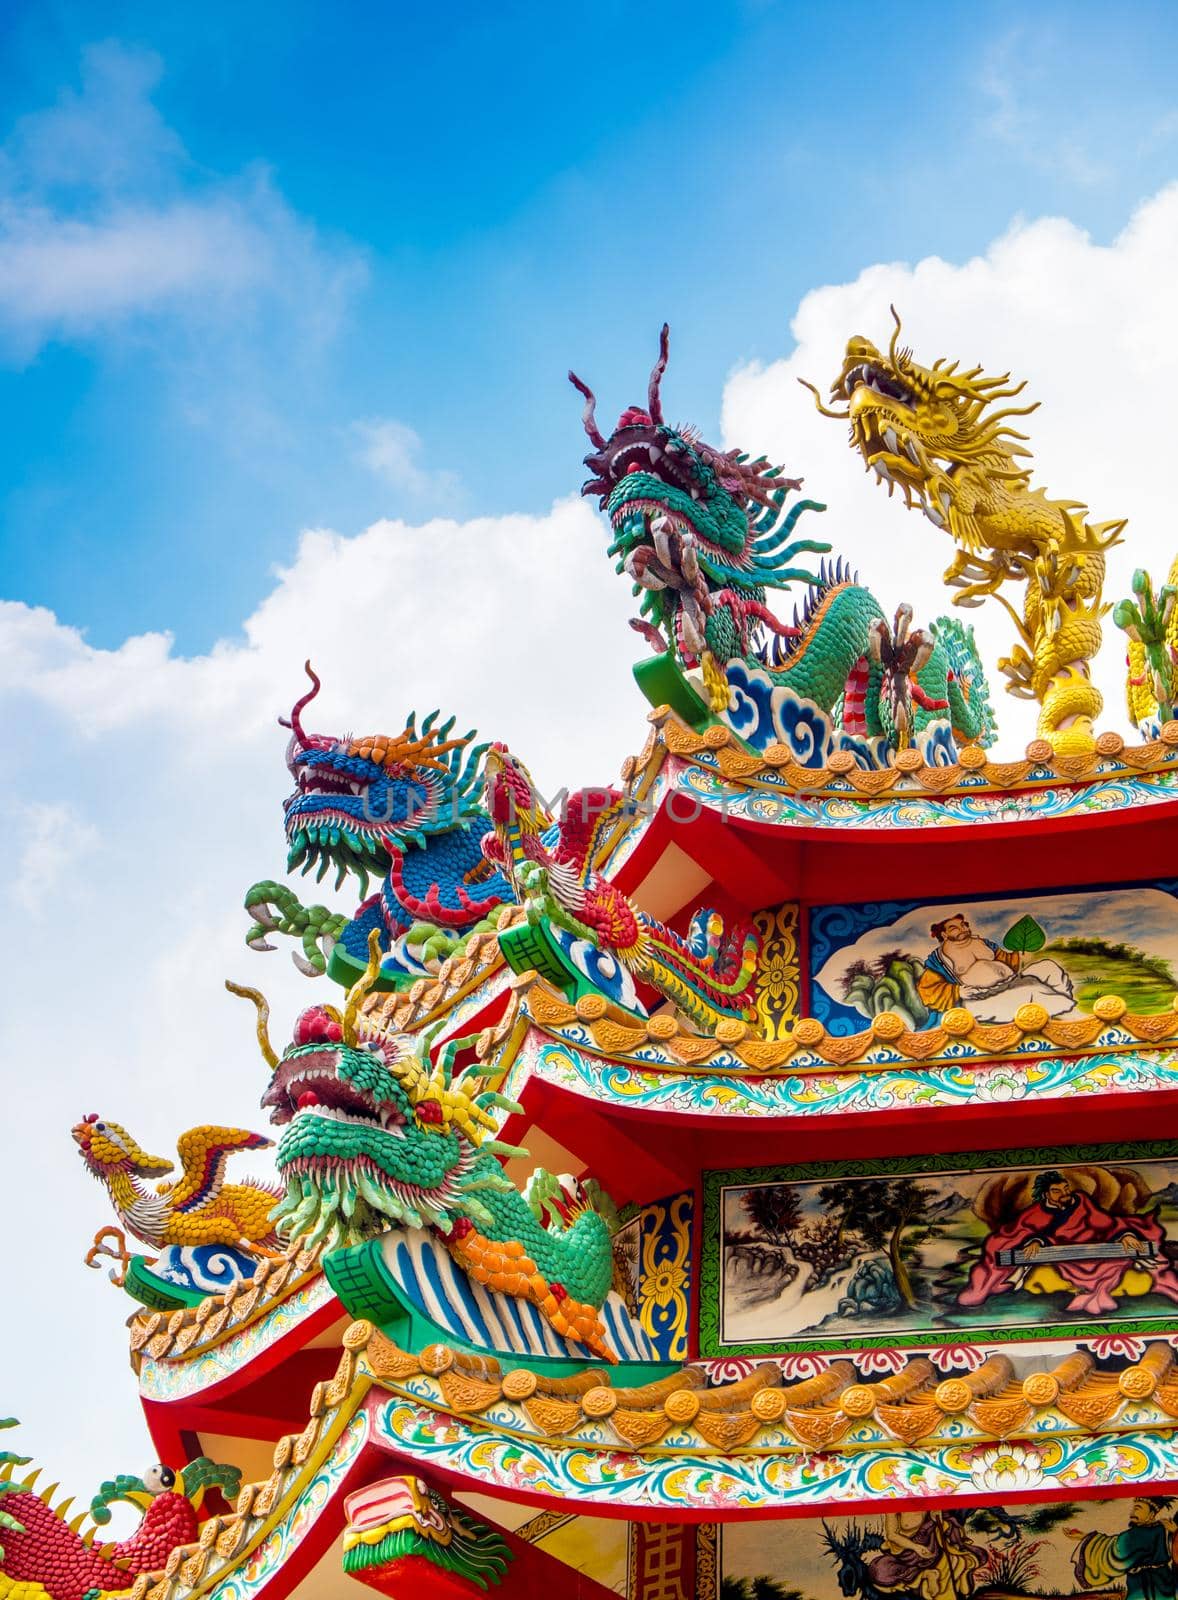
<point x="998" y="1246"/>
<point x="1109" y="1550"/>
<point x="1060" y="951"/>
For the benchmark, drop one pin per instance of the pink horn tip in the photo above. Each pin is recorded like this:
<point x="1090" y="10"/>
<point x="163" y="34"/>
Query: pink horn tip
<point x="295" y="724"/>
<point x="588" y="416"/>
<point x="654" y="404"/>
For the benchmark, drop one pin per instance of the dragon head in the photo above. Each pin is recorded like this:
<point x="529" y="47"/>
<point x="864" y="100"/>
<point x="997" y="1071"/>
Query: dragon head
<point x="402" y="1520"/>
<point x="511" y="794"/>
<point x="160" y="1484"/>
<point x="916" y="427"/>
<point x="371" y="1134"/>
<point x="354" y="797"/>
<point x="107" y="1148"/>
<point x="688" y="519"/>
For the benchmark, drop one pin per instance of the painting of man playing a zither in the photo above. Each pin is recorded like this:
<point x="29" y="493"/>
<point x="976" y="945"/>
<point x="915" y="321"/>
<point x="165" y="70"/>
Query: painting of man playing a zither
<point x="1061" y="1237"/>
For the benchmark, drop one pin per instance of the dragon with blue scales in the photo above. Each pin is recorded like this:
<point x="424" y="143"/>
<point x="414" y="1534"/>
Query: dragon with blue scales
<point x="374" y="1137"/>
<point x="404" y="808"/>
<point x="706" y="535"/>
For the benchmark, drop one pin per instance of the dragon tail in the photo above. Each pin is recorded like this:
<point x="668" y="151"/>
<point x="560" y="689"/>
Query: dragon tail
<point x="710" y="974"/>
<point x="970" y="710"/>
<point x="566" y="1274"/>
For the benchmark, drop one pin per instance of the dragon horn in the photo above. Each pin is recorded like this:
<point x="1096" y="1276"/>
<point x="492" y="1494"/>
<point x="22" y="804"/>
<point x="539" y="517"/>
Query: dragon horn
<point x="295" y="725"/>
<point x="896" y="356"/>
<point x="263" y="1009"/>
<point x="654" y="404"/>
<point x="360" y="988"/>
<point x="589" y="415"/>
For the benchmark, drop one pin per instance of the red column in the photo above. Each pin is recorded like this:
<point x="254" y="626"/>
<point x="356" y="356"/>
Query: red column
<point x="662" y="1561"/>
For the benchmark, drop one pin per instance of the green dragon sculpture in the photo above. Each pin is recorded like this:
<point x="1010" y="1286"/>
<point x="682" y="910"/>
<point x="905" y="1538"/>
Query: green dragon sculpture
<point x="705" y="535"/>
<point x="373" y="1138"/>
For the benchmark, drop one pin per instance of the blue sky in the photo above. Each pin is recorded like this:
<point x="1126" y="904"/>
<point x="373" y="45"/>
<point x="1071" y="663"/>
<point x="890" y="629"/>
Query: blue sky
<point x="271" y="267"/>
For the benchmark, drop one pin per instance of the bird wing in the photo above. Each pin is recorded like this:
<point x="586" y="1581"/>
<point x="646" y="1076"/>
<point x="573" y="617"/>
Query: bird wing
<point x="203" y="1153"/>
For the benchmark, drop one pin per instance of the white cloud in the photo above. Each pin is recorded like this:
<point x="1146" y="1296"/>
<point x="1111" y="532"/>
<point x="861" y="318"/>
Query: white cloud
<point x="392" y="451"/>
<point x="52" y="840"/>
<point x="1048" y="136"/>
<point x="170" y="772"/>
<point x="172" y="767"/>
<point x="108" y="135"/>
<point x="104" y="220"/>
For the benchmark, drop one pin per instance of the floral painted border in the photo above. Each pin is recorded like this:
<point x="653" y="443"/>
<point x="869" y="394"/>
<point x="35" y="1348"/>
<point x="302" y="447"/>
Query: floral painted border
<point x="946" y="1358"/>
<point x="773" y="801"/>
<point x="737" y="1092"/>
<point x="726" y="1484"/>
<point x="280" y="1543"/>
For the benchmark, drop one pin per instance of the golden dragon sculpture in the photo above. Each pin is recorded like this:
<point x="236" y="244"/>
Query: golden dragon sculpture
<point x="933" y="433"/>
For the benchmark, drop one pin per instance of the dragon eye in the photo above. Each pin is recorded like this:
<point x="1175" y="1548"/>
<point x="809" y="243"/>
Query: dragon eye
<point x="100" y="1127"/>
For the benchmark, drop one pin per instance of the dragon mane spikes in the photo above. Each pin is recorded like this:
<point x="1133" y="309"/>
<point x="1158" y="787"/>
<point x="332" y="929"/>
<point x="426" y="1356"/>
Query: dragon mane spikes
<point x="756" y="481"/>
<point x="654" y="404"/>
<point x="456" y="1106"/>
<point x="263" y="1010"/>
<point x="427" y="749"/>
<point x="589" y="415"/>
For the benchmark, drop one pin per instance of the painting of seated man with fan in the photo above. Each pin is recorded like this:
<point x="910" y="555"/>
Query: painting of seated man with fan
<point x="1060" y="952"/>
<point x="992" y="979"/>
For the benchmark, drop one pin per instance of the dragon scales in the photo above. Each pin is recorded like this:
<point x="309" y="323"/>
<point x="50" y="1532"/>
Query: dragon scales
<point x="373" y="1138"/>
<point x="705" y="535"/>
<point x="403" y="808"/>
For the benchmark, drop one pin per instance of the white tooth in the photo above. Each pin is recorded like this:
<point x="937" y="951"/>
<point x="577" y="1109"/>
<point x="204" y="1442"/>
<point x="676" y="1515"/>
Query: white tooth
<point x="695" y="494"/>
